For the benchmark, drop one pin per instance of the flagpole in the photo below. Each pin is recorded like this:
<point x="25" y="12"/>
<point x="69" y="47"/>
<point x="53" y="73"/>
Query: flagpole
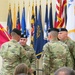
<point x="7" y="35"/>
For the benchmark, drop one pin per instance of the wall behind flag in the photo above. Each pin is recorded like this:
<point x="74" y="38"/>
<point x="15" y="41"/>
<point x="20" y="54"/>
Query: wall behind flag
<point x="5" y="5"/>
<point x="3" y="10"/>
<point x="4" y="24"/>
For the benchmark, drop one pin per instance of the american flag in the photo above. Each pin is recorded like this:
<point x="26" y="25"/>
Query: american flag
<point x="60" y="10"/>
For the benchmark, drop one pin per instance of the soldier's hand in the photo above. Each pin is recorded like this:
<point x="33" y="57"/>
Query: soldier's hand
<point x="31" y="70"/>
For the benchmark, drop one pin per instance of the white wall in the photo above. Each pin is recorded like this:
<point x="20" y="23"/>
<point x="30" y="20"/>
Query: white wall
<point x="3" y="10"/>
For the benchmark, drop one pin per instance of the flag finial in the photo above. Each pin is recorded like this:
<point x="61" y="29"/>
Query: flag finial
<point x="23" y="3"/>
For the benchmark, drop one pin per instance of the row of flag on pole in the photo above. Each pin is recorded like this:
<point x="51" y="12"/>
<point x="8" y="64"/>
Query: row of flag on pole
<point x="15" y="23"/>
<point x="32" y="27"/>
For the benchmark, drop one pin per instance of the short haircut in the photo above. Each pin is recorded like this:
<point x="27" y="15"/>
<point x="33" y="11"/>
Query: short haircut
<point x="53" y="33"/>
<point x="13" y="34"/>
<point x="66" y="70"/>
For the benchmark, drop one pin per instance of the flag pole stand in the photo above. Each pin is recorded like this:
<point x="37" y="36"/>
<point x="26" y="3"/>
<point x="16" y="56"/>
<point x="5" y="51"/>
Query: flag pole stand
<point x="37" y="66"/>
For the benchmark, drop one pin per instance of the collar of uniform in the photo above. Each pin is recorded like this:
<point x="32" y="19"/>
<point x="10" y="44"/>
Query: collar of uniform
<point x="65" y="39"/>
<point x="54" y="40"/>
<point x="13" y="40"/>
<point x="25" y="45"/>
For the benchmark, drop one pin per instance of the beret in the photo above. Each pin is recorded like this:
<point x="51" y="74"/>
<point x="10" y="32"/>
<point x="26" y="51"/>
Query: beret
<point x="18" y="32"/>
<point x="23" y="35"/>
<point x="53" y="29"/>
<point x="63" y="29"/>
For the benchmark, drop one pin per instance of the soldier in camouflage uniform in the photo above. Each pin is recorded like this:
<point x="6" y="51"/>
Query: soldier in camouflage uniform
<point x="56" y="54"/>
<point x="30" y="51"/>
<point x="63" y="36"/>
<point x="13" y="54"/>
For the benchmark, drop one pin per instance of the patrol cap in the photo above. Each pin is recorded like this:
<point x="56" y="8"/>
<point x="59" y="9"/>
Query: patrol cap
<point x="17" y="31"/>
<point x="23" y="35"/>
<point x="53" y="29"/>
<point x="62" y="29"/>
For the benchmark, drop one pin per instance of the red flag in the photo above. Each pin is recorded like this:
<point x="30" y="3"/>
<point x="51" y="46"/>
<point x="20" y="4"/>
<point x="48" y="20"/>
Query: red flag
<point x="60" y="13"/>
<point x="4" y="37"/>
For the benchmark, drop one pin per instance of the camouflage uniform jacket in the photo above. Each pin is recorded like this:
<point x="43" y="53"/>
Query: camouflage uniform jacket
<point x="31" y="55"/>
<point x="56" y="55"/>
<point x="13" y="54"/>
<point x="71" y="44"/>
